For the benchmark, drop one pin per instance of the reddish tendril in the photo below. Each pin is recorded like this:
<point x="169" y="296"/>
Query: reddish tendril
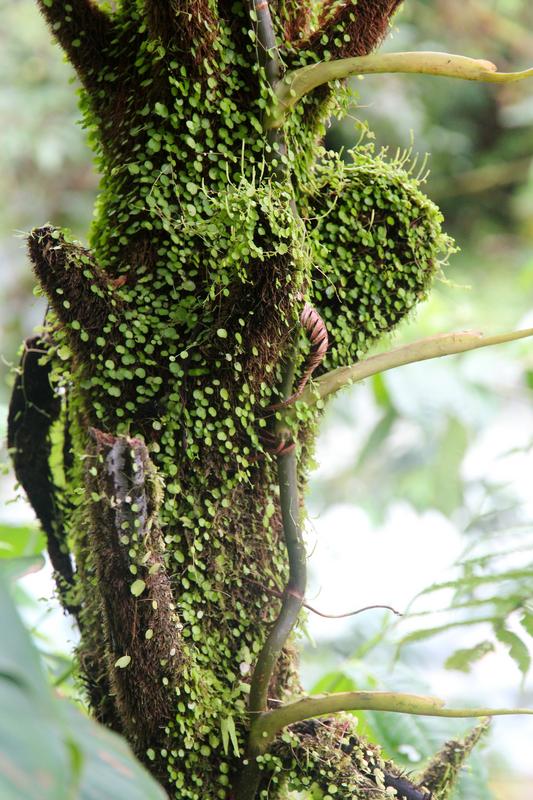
<point x="317" y="333"/>
<point x="281" y="595"/>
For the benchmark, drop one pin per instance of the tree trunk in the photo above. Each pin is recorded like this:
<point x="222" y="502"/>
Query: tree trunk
<point x="169" y="342"/>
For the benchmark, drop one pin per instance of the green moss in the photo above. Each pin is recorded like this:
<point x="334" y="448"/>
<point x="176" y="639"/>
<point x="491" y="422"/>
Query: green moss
<point x="378" y="243"/>
<point x="197" y="269"/>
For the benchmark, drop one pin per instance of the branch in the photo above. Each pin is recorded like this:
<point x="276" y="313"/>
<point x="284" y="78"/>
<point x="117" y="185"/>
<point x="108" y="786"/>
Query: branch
<point x="297" y="83"/>
<point x="142" y="630"/>
<point x="328" y="752"/>
<point x="78" y="290"/>
<point x="83" y="30"/>
<point x="444" y="344"/>
<point x="349" y="28"/>
<point x="441" y="774"/>
<point x="269" y="724"/>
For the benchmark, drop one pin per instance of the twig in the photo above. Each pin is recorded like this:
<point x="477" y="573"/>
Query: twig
<point x="278" y="593"/>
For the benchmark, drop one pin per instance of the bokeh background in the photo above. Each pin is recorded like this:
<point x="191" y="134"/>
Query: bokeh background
<point x="422" y="494"/>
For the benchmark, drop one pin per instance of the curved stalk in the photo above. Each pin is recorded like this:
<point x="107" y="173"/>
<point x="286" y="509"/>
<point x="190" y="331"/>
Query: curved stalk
<point x="293" y="598"/>
<point x="444" y="344"/>
<point x="270" y="724"/>
<point x="297" y="83"/>
<point x="268" y="54"/>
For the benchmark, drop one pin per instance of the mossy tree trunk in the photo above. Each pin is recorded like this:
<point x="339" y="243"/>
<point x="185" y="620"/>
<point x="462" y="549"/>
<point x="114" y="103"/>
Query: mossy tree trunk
<point x="159" y="453"/>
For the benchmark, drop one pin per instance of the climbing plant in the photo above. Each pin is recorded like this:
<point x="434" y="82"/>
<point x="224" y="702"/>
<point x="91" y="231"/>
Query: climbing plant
<point x="162" y="421"/>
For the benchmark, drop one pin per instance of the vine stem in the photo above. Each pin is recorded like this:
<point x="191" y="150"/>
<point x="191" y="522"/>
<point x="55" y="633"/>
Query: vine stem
<point x="277" y="593"/>
<point x="248" y="780"/>
<point x="294" y="594"/>
<point x="270" y="724"/>
<point x="444" y="344"/>
<point x="297" y="83"/>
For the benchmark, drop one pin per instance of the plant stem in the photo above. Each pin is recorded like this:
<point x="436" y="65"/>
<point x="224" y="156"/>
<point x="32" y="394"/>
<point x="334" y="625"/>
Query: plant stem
<point x="295" y="591"/>
<point x="300" y="82"/>
<point x="444" y="344"/>
<point x="268" y="54"/>
<point x="270" y="724"/>
<point x="293" y="599"/>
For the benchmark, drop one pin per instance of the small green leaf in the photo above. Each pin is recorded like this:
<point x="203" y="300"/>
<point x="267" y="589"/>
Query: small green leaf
<point x="64" y="352"/>
<point x="227" y="729"/>
<point x="137" y="587"/>
<point x="122" y="662"/>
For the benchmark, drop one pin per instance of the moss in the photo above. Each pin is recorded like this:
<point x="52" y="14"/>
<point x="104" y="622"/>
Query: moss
<point x="378" y="243"/>
<point x="444" y="769"/>
<point x="169" y="337"/>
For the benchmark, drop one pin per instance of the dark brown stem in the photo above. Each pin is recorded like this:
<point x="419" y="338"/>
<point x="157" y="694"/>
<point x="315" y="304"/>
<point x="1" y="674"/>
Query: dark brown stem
<point x="83" y="30"/>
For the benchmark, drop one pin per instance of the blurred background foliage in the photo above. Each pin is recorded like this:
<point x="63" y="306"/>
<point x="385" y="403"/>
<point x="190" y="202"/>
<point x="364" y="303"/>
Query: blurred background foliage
<point x="422" y="494"/>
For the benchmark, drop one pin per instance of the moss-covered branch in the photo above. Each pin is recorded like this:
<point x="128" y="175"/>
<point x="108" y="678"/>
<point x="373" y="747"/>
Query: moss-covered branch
<point x="442" y="773"/>
<point x="83" y="30"/>
<point x="351" y="28"/>
<point x="143" y="643"/>
<point x="298" y="83"/>
<point x="178" y="329"/>
<point x="326" y="753"/>
<point x="80" y="293"/>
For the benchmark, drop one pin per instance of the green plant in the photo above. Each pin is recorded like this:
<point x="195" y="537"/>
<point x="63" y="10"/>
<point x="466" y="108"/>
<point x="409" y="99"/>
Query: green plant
<point x="157" y="422"/>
